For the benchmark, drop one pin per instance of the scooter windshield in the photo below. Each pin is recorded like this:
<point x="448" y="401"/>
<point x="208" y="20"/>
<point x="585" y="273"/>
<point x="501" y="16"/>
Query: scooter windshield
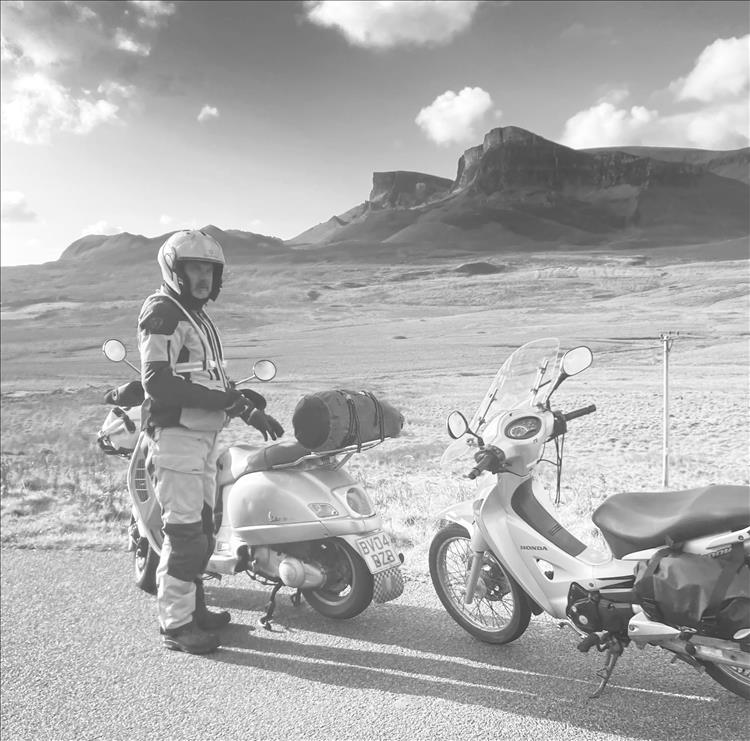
<point x="513" y="386"/>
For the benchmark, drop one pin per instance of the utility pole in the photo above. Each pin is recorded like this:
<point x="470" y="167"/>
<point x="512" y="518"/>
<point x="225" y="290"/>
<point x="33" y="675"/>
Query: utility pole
<point x="667" y="338"/>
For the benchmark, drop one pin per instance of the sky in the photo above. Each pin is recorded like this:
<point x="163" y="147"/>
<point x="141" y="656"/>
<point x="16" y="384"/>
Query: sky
<point x="271" y="117"/>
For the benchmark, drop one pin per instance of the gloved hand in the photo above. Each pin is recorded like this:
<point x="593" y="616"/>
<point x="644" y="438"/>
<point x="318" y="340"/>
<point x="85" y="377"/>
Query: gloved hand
<point x="258" y="401"/>
<point x="238" y="405"/>
<point x="264" y="423"/>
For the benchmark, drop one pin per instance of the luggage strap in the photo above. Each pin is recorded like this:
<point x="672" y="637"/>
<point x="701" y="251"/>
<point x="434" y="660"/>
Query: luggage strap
<point x="379" y="415"/>
<point x="352" y="433"/>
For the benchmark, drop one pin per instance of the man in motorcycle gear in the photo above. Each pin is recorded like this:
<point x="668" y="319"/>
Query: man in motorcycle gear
<point x="189" y="399"/>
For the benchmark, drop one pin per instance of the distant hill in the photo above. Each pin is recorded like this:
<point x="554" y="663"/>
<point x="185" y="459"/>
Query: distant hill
<point x="126" y="248"/>
<point x="519" y="190"/>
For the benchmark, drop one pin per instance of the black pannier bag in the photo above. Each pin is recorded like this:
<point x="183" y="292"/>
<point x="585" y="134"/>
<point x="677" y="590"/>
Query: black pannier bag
<point x="708" y="594"/>
<point x="332" y="420"/>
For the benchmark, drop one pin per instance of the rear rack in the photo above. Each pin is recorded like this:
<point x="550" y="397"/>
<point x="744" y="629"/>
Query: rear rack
<point x="330" y="455"/>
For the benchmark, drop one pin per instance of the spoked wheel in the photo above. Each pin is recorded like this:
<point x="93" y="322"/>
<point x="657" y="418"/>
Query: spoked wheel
<point x="145" y="561"/>
<point x="348" y="588"/>
<point x="499" y="612"/>
<point x="733" y="678"/>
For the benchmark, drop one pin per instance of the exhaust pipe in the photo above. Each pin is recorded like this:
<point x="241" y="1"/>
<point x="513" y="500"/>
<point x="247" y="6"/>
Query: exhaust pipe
<point x="300" y="575"/>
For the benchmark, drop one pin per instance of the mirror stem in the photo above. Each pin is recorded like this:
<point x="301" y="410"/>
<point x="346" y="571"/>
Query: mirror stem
<point x="127" y="362"/>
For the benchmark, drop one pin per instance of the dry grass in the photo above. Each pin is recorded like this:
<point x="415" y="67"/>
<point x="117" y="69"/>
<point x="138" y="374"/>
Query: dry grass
<point x="427" y="339"/>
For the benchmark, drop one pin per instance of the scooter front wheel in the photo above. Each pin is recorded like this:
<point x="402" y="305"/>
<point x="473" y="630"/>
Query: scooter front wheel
<point x="145" y="560"/>
<point x="733" y="678"/>
<point x="349" y="583"/>
<point x="499" y="612"/>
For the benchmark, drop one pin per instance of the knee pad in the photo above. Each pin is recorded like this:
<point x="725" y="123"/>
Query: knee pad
<point x="187" y="556"/>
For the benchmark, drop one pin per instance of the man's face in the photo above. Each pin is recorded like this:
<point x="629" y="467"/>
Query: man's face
<point x="200" y="276"/>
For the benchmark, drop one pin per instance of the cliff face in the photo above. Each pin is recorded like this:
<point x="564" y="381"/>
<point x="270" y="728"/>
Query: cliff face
<point x="402" y="189"/>
<point x="512" y="158"/>
<point x="518" y="185"/>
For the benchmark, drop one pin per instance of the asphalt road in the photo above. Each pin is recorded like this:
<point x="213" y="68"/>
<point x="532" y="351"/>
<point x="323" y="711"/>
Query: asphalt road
<point x="81" y="659"/>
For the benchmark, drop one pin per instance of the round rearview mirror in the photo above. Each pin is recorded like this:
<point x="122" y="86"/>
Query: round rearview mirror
<point x="457" y="425"/>
<point x="264" y="370"/>
<point x="114" y="350"/>
<point x="577" y="360"/>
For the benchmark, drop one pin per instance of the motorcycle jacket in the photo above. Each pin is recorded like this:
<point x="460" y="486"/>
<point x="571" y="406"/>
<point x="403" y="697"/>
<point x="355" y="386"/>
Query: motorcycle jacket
<point x="182" y="365"/>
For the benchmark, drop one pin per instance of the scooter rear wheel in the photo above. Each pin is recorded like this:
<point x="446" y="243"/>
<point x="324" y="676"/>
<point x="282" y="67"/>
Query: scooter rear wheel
<point x="348" y="589"/>
<point x="499" y="612"/>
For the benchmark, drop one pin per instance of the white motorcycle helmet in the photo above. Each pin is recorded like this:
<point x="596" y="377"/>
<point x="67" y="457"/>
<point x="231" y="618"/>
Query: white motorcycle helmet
<point x="190" y="244"/>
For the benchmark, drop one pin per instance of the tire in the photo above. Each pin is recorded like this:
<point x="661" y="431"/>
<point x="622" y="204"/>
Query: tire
<point x="731" y="678"/>
<point x="348" y="589"/>
<point x="145" y="561"/>
<point x="501" y="614"/>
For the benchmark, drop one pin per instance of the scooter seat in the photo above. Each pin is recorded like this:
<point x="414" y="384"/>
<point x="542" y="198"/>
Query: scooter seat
<point x="636" y="521"/>
<point x="238" y="460"/>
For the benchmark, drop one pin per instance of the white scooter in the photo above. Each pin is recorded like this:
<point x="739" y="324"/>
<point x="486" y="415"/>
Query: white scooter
<point x="500" y="558"/>
<point x="284" y="515"/>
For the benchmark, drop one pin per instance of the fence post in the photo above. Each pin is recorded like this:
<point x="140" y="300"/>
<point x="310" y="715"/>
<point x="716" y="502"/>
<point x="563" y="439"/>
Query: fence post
<point x="667" y="338"/>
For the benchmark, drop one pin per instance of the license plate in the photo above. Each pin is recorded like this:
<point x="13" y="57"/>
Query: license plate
<point x="378" y="552"/>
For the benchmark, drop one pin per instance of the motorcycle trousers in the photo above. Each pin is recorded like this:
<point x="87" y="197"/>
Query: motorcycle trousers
<point x="184" y="470"/>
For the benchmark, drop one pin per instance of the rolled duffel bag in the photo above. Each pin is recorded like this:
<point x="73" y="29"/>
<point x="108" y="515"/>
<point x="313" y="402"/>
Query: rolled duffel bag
<point x="331" y="420"/>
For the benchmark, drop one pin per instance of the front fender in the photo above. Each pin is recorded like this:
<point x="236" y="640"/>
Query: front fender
<point x="461" y="513"/>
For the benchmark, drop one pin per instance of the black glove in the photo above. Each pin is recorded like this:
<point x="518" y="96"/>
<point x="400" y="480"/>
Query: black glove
<point x="264" y="423"/>
<point x="238" y="405"/>
<point x="258" y="401"/>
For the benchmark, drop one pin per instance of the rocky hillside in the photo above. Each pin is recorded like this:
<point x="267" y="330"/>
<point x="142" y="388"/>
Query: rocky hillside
<point x="518" y="189"/>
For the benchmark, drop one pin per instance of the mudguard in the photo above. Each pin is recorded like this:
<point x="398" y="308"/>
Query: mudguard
<point x="387" y="584"/>
<point x="461" y="513"/>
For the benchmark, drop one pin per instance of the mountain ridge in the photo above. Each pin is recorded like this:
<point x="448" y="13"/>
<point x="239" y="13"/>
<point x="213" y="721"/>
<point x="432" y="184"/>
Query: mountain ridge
<point x="525" y="184"/>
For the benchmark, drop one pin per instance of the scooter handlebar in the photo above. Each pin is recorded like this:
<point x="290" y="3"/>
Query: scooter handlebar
<point x="488" y="459"/>
<point x="579" y="412"/>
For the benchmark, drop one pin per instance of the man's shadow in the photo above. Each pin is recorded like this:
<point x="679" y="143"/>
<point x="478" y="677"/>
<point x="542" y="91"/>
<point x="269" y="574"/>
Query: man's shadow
<point x="438" y="659"/>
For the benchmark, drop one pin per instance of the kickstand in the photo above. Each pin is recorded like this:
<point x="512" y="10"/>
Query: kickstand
<point x="265" y="621"/>
<point x="614" y="651"/>
<point x="297" y="598"/>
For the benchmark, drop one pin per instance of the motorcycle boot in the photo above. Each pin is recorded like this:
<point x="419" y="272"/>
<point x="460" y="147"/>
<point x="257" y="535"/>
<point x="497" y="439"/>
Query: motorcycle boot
<point x="207" y="619"/>
<point x="190" y="639"/>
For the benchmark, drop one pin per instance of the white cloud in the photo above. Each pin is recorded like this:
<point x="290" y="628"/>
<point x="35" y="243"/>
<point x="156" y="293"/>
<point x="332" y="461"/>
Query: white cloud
<point x="717" y="89"/>
<point x="82" y="12"/>
<point x="9" y="52"/>
<point x="15" y="208"/>
<point x="36" y="106"/>
<point x="604" y="125"/>
<point x="721" y="71"/>
<point x="126" y="42"/>
<point x="165" y="219"/>
<point x="451" y="117"/>
<point x="386" y="24"/>
<point x="47" y="49"/>
<point x="112" y="88"/>
<point x="207" y="112"/>
<point x="154" y="13"/>
<point x="101" y="227"/>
